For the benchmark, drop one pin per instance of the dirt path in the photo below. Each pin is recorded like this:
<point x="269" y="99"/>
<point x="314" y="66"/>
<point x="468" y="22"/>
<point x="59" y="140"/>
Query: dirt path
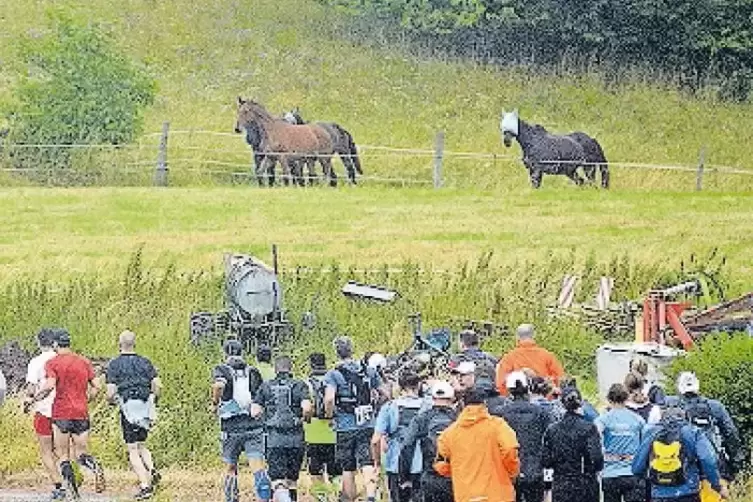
<point x="28" y="496"/>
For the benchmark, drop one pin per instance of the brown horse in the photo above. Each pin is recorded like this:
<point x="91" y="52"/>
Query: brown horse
<point x="288" y="143"/>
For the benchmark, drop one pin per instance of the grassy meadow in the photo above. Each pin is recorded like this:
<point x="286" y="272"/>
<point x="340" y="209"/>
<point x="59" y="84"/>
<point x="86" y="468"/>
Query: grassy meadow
<point x="100" y="259"/>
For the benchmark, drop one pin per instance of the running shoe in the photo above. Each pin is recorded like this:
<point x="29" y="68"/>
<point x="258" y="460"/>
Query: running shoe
<point x="58" y="494"/>
<point x="144" y="493"/>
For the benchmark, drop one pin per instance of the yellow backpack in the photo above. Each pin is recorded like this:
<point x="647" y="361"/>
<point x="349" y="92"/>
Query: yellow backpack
<point x="667" y="459"/>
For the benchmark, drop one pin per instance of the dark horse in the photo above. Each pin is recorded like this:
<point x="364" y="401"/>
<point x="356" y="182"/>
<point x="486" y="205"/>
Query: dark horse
<point x="594" y="156"/>
<point x="342" y="141"/>
<point x="545" y="153"/>
<point x="281" y="141"/>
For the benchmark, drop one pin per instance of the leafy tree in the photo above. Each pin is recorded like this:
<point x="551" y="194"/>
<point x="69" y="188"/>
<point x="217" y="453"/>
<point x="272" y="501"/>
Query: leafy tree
<point x="79" y="88"/>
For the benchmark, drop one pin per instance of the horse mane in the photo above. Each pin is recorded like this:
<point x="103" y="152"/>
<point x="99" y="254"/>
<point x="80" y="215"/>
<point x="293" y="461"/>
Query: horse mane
<point x="258" y="111"/>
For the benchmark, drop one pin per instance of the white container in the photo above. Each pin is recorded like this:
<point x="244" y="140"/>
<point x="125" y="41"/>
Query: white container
<point x="613" y="363"/>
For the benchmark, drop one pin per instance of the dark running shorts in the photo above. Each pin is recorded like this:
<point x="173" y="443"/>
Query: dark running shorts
<point x="284" y="463"/>
<point x="627" y="488"/>
<point x="235" y="443"/>
<point x="321" y="456"/>
<point x="132" y="433"/>
<point x="353" y="449"/>
<point x="75" y="427"/>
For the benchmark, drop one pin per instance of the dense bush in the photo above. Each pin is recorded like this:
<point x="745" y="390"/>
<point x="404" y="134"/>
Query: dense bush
<point x="78" y="88"/>
<point x="698" y="42"/>
<point x="724" y="366"/>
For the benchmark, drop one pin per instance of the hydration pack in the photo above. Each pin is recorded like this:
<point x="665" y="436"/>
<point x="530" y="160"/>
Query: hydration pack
<point x="407" y="408"/>
<point x="245" y="382"/>
<point x="440" y="419"/>
<point x="668" y="459"/>
<point x="358" y="399"/>
<point x="282" y="415"/>
<point x="699" y="413"/>
<point x="317" y="388"/>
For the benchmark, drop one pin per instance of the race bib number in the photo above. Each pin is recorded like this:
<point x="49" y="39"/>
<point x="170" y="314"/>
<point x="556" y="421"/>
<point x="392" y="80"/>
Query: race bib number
<point x="548" y="475"/>
<point x="364" y="414"/>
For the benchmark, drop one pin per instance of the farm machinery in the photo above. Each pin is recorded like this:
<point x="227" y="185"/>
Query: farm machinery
<point x="253" y="313"/>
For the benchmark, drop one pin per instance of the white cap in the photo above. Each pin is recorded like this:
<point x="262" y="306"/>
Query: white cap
<point x="465" y="368"/>
<point x="688" y="382"/>
<point x="377" y="361"/>
<point x="513" y="378"/>
<point x="442" y="390"/>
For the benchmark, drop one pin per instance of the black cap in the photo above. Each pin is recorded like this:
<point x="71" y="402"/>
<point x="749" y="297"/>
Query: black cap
<point x="62" y="337"/>
<point x="474" y="395"/>
<point x="263" y="354"/>
<point x="232" y="347"/>
<point x="46" y="337"/>
<point x="317" y="361"/>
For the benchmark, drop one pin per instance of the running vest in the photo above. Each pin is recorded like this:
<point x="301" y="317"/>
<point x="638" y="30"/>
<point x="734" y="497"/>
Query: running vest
<point x="282" y="415"/>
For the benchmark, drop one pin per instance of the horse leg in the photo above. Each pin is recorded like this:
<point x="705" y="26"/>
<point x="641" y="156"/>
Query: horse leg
<point x="604" y="176"/>
<point x="258" y="168"/>
<point x="311" y="168"/>
<point x="267" y="165"/>
<point x="286" y="175"/>
<point x="573" y="175"/>
<point x="329" y="172"/>
<point x="536" y="175"/>
<point x="349" y="166"/>
<point x="590" y="171"/>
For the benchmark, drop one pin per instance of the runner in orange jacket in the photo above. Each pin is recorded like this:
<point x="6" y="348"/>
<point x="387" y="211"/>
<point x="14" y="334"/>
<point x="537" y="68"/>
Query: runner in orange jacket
<point x="480" y="453"/>
<point x="528" y="355"/>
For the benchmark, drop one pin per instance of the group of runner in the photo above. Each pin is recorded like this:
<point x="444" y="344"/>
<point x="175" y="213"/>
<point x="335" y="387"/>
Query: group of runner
<point x="496" y="430"/>
<point x="60" y="385"/>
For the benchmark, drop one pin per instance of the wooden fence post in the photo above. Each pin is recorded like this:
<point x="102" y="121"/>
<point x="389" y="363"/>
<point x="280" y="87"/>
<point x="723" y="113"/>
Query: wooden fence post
<point x="160" y="173"/>
<point x="438" y="154"/>
<point x="699" y="172"/>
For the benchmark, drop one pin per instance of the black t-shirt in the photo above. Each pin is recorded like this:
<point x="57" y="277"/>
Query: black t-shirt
<point x="132" y="374"/>
<point x="283" y="437"/>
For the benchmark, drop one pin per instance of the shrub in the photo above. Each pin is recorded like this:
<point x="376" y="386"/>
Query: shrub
<point x="80" y="88"/>
<point x="724" y="366"/>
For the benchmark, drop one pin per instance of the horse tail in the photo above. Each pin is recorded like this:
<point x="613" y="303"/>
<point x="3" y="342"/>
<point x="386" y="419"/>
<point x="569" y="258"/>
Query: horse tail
<point x="350" y="146"/>
<point x="601" y="160"/>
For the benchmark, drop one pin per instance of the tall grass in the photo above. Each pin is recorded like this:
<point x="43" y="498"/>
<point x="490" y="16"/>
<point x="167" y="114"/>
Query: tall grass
<point x="156" y="304"/>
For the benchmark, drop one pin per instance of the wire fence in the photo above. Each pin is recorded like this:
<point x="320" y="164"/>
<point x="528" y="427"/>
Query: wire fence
<point x="187" y="157"/>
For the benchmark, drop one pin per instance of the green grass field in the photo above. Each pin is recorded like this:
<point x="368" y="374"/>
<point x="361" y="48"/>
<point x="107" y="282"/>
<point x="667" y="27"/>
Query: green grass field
<point x="64" y="253"/>
<point x="58" y="233"/>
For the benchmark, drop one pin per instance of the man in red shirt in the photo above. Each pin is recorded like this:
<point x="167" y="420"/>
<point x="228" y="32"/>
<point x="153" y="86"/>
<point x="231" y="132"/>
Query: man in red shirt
<point x="72" y="378"/>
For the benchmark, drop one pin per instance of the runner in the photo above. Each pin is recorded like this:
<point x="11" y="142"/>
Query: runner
<point x="480" y="453"/>
<point x="638" y="401"/>
<point x="528" y="355"/>
<point x="676" y="457"/>
<point x="42" y="410"/>
<point x="529" y="422"/>
<point x="424" y="432"/>
<point x="72" y="378"/>
<point x="391" y="424"/>
<point x="572" y="449"/>
<point x="463" y="378"/>
<point x="133" y="384"/>
<point x="319" y="436"/>
<point x="351" y="389"/>
<point x="285" y="404"/>
<point x="621" y="431"/>
<point x="235" y="384"/>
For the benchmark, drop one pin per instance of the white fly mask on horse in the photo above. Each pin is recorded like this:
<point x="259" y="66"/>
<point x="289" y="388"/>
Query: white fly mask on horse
<point x="509" y="123"/>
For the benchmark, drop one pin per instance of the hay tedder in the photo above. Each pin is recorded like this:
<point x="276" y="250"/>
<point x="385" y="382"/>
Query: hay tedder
<point x="253" y="313"/>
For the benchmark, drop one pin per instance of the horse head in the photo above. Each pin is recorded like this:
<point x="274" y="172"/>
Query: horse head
<point x="293" y="117"/>
<point x="509" y="126"/>
<point x="249" y="112"/>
